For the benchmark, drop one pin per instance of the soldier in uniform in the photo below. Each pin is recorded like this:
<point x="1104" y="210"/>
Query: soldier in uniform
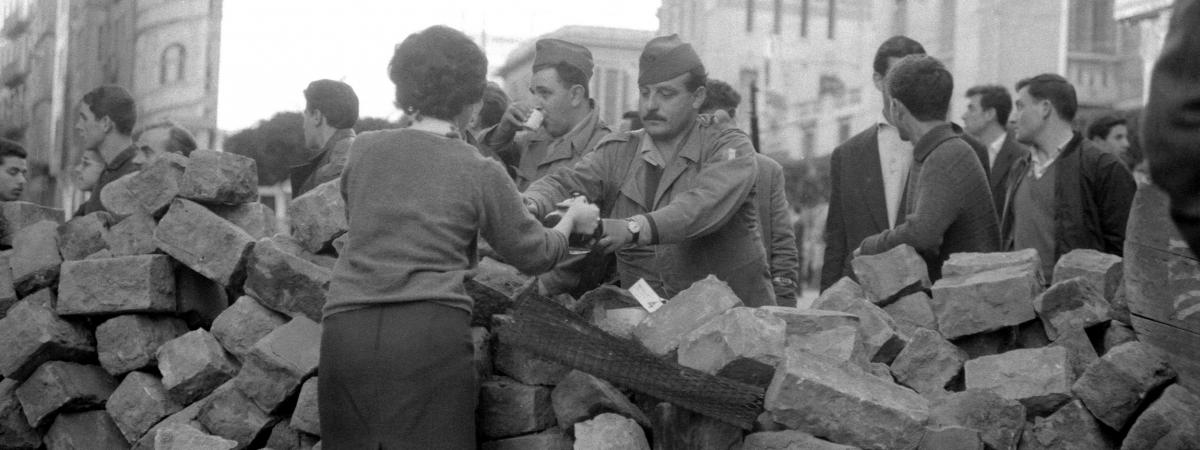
<point x="677" y="194"/>
<point x="570" y="128"/>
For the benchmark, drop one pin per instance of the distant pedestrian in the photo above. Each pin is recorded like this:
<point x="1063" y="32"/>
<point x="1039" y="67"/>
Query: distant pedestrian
<point x="13" y="170"/>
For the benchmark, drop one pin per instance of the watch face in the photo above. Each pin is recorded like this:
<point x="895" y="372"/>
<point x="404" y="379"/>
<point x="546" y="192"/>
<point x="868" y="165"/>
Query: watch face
<point x="634" y="226"/>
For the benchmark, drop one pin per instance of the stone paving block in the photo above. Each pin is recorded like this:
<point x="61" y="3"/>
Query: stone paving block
<point x="45" y="298"/>
<point x="951" y="438"/>
<point x="911" y="312"/>
<point x="194" y="364"/>
<point x="845" y="404"/>
<point x="256" y="219"/>
<point x="965" y="264"/>
<point x="1116" y="387"/>
<point x="1170" y="422"/>
<point x="283" y="437"/>
<point x="35" y="258"/>
<point x="66" y="386"/>
<point x="139" y="403"/>
<point x="1120" y="304"/>
<point x="18" y="215"/>
<point x="553" y="439"/>
<point x="493" y="286"/>
<point x="219" y="178"/>
<point x="677" y="428"/>
<point x="33" y="334"/>
<point x="148" y="191"/>
<point x="619" y="322"/>
<point x="750" y="337"/>
<point x="15" y="432"/>
<point x="928" y="362"/>
<point x="1080" y="352"/>
<point x="229" y="414"/>
<point x="882" y="343"/>
<point x="130" y="342"/>
<point x="133" y="235"/>
<point x="204" y="241"/>
<point x="831" y="333"/>
<point x="1038" y="378"/>
<point x="580" y="397"/>
<point x="285" y="282"/>
<point x="999" y="421"/>
<point x="185" y="416"/>
<point x="610" y="431"/>
<point x="1115" y="334"/>
<point x="663" y="329"/>
<point x="1069" y="428"/>
<point x="1032" y="334"/>
<point x="128" y="284"/>
<point x="1070" y="303"/>
<point x="1102" y="270"/>
<point x="178" y="436"/>
<point x="888" y="275"/>
<point x="243" y="324"/>
<point x="89" y="429"/>
<point x="985" y="301"/>
<point x="82" y="236"/>
<point x="279" y="362"/>
<point x="305" y="417"/>
<point x="201" y="300"/>
<point x="319" y="216"/>
<point x="789" y="440"/>
<point x="507" y="408"/>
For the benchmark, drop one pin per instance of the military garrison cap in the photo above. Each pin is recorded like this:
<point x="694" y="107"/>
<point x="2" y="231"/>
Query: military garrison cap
<point x="550" y="52"/>
<point x="666" y="57"/>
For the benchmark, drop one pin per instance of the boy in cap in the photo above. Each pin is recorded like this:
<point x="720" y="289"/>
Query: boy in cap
<point x="676" y="194"/>
<point x="570" y="127"/>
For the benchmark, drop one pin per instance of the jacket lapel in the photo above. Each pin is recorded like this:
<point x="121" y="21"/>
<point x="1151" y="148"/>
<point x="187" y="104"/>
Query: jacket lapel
<point x="870" y="191"/>
<point x="1009" y="152"/>
<point x="688" y="152"/>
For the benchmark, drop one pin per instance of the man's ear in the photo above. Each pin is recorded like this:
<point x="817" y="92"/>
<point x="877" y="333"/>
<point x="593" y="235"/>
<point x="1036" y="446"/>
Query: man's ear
<point x="577" y="95"/>
<point x="318" y="117"/>
<point x="699" y="96"/>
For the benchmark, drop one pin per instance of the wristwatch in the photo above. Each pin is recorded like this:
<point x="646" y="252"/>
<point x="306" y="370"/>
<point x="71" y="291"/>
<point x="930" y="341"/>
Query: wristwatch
<point x="634" y="228"/>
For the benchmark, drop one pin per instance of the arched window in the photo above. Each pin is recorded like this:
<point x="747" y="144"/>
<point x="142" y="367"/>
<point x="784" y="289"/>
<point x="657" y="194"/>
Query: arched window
<point x="171" y="64"/>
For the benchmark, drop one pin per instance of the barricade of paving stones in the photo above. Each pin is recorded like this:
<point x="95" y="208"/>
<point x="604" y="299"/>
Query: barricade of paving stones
<point x="183" y="320"/>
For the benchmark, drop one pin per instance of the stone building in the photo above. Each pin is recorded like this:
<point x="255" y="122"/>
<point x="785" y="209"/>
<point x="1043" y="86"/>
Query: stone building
<point x="166" y="52"/>
<point x="1150" y="19"/>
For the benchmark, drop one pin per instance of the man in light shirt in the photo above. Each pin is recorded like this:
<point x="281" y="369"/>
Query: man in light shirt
<point x="1066" y="193"/>
<point x="868" y="173"/>
<point x="988" y="109"/>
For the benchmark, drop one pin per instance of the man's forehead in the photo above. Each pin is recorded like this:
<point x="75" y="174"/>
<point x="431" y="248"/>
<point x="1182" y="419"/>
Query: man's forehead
<point x="13" y="161"/>
<point x="545" y="77"/>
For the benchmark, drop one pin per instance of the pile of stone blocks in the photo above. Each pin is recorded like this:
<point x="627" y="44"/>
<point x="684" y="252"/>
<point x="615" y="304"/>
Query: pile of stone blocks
<point x="118" y="326"/>
<point x="180" y="318"/>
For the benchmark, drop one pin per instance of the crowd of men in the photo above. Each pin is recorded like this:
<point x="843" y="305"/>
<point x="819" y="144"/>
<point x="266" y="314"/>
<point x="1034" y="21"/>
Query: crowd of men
<point x="684" y="194"/>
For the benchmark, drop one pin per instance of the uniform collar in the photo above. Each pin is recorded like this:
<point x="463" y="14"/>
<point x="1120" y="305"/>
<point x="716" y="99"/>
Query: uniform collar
<point x="653" y="155"/>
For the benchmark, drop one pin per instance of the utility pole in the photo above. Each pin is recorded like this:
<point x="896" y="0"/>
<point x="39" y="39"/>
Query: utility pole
<point x="754" y="114"/>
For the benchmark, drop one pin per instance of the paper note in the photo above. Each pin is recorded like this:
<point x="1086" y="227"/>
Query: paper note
<point x="646" y="295"/>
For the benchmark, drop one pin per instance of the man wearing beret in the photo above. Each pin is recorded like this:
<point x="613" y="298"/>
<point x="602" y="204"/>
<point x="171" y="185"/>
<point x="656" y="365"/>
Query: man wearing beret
<point x="677" y="195"/>
<point x="570" y="128"/>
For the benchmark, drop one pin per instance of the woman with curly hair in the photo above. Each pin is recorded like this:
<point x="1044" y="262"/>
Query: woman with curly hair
<point x="397" y="366"/>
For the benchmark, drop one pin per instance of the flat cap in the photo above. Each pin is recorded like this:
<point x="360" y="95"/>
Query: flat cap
<point x="551" y="52"/>
<point x="666" y="57"/>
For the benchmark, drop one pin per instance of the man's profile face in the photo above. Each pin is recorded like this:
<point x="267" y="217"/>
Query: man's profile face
<point x="668" y="108"/>
<point x="13" y="170"/>
<point x="975" y="118"/>
<point x="91" y="130"/>
<point x="1030" y="114"/>
<point x="155" y="141"/>
<point x="553" y="99"/>
<point x="1118" y="139"/>
<point x="312" y="136"/>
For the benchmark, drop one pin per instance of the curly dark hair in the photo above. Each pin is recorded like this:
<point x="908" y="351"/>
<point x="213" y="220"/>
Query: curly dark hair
<point x="438" y="72"/>
<point x="720" y="95"/>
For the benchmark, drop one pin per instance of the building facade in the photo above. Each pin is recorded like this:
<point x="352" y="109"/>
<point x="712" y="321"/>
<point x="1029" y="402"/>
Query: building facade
<point x="810" y="61"/>
<point x="1150" y="19"/>
<point x="166" y="52"/>
<point x="615" y="53"/>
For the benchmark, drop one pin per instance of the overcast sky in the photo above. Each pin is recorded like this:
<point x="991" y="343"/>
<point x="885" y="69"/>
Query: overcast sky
<point x="272" y="49"/>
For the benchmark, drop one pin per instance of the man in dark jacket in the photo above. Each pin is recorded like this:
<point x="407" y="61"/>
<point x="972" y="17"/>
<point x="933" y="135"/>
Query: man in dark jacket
<point x="988" y="108"/>
<point x="949" y="207"/>
<point x="1171" y="127"/>
<point x="1067" y="193"/>
<point x="106" y="119"/>
<point x="330" y="112"/>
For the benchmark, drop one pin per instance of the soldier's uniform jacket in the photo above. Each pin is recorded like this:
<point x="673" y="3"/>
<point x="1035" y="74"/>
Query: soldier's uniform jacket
<point x="702" y="215"/>
<point x="534" y="154"/>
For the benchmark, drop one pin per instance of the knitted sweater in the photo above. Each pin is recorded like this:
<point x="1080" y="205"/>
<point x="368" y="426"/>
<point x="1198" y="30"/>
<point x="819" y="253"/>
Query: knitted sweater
<point x="416" y="204"/>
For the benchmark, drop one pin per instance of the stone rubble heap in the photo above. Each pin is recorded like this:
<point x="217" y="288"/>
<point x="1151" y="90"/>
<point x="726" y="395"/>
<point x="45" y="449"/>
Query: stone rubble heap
<point x="183" y="320"/>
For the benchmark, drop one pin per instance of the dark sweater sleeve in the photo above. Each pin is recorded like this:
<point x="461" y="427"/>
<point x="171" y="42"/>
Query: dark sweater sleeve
<point x="510" y="229"/>
<point x="785" y="259"/>
<point x="1171" y="125"/>
<point x="939" y="197"/>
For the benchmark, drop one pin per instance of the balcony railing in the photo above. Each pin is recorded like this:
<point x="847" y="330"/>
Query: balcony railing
<point x="1096" y="77"/>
